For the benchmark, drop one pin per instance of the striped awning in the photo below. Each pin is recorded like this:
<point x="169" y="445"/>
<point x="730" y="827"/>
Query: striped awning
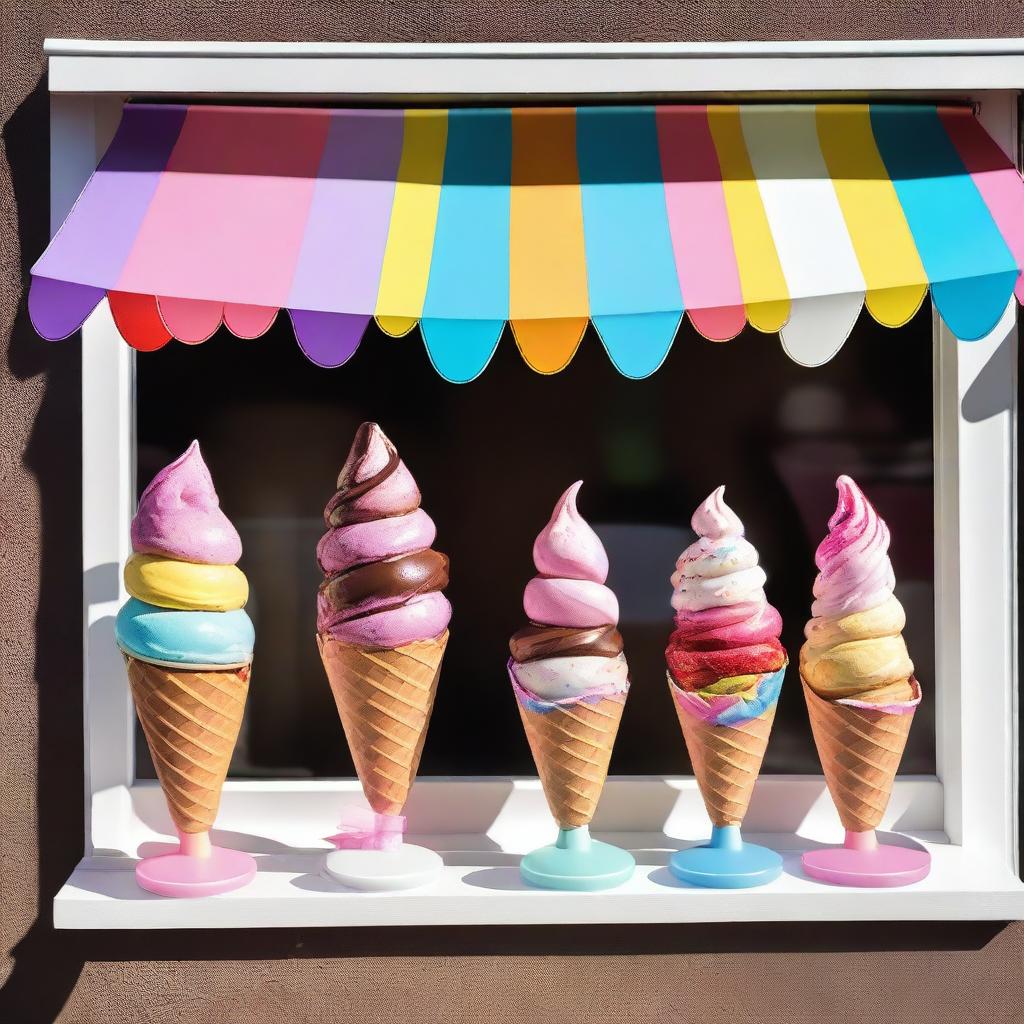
<point x="789" y="218"/>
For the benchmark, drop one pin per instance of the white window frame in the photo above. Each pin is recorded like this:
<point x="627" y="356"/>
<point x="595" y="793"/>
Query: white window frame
<point x="967" y="812"/>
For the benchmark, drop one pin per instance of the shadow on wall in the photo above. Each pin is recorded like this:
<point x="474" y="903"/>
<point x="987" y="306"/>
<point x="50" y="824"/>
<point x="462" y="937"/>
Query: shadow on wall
<point x="45" y="969"/>
<point x="48" y="963"/>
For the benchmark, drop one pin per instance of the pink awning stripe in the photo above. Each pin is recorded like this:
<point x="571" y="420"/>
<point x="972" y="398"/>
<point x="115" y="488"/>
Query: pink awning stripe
<point x="245" y="321"/>
<point x="995" y="177"/>
<point x="699" y="222"/>
<point x="228" y="216"/>
<point x="191" y="321"/>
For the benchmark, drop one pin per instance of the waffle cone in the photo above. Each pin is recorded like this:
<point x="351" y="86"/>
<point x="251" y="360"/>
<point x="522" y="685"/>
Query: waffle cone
<point x="726" y="760"/>
<point x="572" y="746"/>
<point x="384" y="699"/>
<point x="191" y="721"/>
<point x="860" y="750"/>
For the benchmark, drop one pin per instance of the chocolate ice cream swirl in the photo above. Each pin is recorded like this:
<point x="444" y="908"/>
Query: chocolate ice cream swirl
<point x="383" y="580"/>
<point x="344" y="508"/>
<point x="388" y="583"/>
<point x="537" y="641"/>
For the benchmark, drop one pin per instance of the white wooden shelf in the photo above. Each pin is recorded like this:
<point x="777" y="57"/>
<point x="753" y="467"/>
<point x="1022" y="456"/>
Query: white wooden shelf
<point x="487" y="825"/>
<point x="481" y="886"/>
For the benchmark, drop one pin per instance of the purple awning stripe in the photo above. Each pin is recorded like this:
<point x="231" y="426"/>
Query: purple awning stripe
<point x="99" y="232"/>
<point x="328" y="339"/>
<point x="342" y="253"/>
<point x="58" y="308"/>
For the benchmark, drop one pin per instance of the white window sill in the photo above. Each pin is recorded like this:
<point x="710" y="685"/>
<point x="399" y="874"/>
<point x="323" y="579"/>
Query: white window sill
<point x="481" y="828"/>
<point x="482" y="886"/>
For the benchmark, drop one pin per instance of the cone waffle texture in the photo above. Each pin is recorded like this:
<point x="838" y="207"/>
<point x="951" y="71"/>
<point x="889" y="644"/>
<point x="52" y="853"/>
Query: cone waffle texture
<point x="384" y="699"/>
<point x="572" y="746"/>
<point x="726" y="760"/>
<point x="191" y="721"/>
<point x="860" y="750"/>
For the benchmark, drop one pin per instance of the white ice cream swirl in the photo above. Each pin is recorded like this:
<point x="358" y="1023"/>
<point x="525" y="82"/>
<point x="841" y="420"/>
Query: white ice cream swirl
<point x="721" y="567"/>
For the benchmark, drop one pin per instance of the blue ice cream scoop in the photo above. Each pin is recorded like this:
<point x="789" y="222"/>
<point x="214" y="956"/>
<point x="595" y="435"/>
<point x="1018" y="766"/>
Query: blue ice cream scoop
<point x="197" y="638"/>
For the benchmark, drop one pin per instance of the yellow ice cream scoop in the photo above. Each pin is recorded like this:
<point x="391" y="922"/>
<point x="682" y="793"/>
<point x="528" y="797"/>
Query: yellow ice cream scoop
<point x="884" y="620"/>
<point x="186" y="586"/>
<point x="862" y="655"/>
<point x="875" y="671"/>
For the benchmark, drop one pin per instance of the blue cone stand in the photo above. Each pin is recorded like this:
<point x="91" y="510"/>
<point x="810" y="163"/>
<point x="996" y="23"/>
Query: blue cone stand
<point x="726" y="862"/>
<point x="577" y="863"/>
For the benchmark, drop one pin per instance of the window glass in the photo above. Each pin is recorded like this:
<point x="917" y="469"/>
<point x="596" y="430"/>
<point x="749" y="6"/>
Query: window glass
<point x="492" y="457"/>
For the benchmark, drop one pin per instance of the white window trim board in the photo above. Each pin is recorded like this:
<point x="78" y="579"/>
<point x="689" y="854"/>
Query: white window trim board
<point x="967" y="813"/>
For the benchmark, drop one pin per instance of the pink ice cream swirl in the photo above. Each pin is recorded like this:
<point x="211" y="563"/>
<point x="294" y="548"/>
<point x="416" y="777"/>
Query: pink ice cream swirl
<point x="571" y="649"/>
<point x="855" y="573"/>
<point x="180" y="517"/>
<point x="572" y="567"/>
<point x="383" y="581"/>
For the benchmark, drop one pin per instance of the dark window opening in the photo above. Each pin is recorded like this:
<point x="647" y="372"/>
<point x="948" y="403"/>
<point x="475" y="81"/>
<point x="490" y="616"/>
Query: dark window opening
<point x="491" y="458"/>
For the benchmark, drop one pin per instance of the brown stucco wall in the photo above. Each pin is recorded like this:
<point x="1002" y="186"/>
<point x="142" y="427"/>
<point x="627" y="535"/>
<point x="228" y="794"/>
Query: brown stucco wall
<point x="934" y="972"/>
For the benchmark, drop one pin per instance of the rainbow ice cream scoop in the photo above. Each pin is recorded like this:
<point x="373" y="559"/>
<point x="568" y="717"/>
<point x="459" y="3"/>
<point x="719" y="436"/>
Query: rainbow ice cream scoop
<point x="855" y="650"/>
<point x="383" y="580"/>
<point x="187" y="595"/>
<point x="724" y="655"/>
<point x="571" y="649"/>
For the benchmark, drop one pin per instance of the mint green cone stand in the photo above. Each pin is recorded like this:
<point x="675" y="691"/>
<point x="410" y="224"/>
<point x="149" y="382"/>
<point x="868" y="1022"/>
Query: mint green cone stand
<point x="577" y="863"/>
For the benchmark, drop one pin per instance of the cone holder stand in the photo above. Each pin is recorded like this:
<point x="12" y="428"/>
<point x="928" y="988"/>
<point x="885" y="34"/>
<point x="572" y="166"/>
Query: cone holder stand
<point x="576" y="862"/>
<point x="726" y="862"/>
<point x="404" y="867"/>
<point x="197" y="868"/>
<point x="863" y="861"/>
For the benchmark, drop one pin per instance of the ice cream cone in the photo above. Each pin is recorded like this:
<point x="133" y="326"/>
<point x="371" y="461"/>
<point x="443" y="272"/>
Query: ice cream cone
<point x="726" y="760"/>
<point x="860" y="750"/>
<point x="572" y="746"/>
<point x="191" y="721"/>
<point x="384" y="698"/>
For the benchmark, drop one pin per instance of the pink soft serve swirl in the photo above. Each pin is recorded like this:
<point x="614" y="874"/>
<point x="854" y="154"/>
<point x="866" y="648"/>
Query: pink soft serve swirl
<point x="179" y="515"/>
<point x="855" y="573"/>
<point x="572" y="567"/>
<point x="346" y="546"/>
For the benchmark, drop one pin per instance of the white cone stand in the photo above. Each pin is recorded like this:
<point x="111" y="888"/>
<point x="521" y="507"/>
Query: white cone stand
<point x="405" y="867"/>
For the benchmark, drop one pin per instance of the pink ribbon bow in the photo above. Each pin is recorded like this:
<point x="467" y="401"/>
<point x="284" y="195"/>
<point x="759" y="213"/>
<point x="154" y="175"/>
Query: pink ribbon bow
<point x="363" y="829"/>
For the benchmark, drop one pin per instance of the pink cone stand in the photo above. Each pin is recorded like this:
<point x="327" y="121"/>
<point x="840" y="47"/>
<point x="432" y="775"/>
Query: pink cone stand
<point x="198" y="869"/>
<point x="863" y="861"/>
